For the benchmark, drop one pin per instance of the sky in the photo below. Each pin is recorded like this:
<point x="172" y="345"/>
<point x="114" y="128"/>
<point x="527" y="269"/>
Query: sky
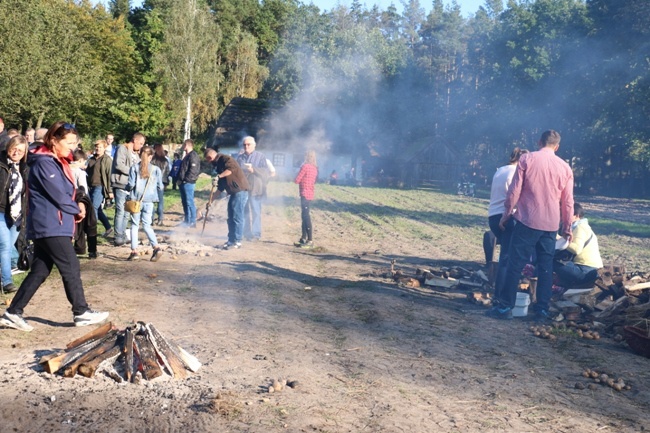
<point x="467" y="7"/>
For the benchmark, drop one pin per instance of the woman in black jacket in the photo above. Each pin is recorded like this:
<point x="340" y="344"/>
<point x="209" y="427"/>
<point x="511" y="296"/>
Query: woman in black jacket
<point x="13" y="176"/>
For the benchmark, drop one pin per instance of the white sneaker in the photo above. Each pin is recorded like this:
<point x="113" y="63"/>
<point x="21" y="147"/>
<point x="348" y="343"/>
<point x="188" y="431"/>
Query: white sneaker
<point x="15" y="321"/>
<point x="16" y="271"/>
<point x="90" y="317"/>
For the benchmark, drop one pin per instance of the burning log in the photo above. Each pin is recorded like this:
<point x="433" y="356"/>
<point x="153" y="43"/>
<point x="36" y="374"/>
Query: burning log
<point x="107" y="343"/>
<point x="92" y="335"/>
<point x="170" y="358"/>
<point x="128" y="354"/>
<point x="147" y="355"/>
<point x="142" y="348"/>
<point x="54" y="362"/>
<point x="88" y="369"/>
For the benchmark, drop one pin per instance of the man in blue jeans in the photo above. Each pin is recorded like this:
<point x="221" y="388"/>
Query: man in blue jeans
<point x="229" y="177"/>
<point x="126" y="155"/>
<point x="542" y="193"/>
<point x="253" y="164"/>
<point x="188" y="174"/>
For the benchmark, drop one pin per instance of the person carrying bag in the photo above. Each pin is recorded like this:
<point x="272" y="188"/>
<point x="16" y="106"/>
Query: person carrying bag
<point x="143" y="208"/>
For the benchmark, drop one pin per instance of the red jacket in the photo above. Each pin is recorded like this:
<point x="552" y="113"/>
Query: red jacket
<point x="306" y="179"/>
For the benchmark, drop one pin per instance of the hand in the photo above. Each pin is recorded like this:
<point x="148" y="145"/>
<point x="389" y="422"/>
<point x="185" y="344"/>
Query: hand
<point x="208" y="205"/>
<point x="504" y="220"/>
<point x="568" y="236"/>
<point x="215" y="181"/>
<point x="82" y="214"/>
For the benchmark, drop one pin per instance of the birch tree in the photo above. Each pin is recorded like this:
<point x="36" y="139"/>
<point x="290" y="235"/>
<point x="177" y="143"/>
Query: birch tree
<point x="188" y="58"/>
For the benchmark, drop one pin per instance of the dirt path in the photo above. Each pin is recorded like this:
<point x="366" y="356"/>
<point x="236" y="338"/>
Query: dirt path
<point x="369" y="356"/>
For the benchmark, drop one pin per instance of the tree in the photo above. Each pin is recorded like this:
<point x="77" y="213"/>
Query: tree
<point x="188" y="58"/>
<point x="48" y="72"/>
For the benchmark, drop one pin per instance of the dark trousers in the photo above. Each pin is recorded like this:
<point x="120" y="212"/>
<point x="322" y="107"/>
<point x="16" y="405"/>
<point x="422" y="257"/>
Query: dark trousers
<point x="571" y="275"/>
<point x="306" y="219"/>
<point x="57" y="251"/>
<point x="504" y="238"/>
<point x="526" y="241"/>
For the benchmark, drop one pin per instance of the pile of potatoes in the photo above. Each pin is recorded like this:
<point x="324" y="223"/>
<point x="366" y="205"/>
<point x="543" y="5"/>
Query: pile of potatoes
<point x="279" y="384"/>
<point x="617" y="384"/>
<point x="543" y="331"/>
<point x="584" y="331"/>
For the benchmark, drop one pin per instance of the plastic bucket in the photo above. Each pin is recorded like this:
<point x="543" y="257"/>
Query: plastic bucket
<point x="521" y="305"/>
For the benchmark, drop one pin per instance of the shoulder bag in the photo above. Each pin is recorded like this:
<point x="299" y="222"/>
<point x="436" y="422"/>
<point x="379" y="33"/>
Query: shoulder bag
<point x="134" y="206"/>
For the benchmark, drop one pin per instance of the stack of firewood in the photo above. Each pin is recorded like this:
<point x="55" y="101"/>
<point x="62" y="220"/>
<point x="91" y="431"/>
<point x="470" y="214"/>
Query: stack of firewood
<point x="138" y="352"/>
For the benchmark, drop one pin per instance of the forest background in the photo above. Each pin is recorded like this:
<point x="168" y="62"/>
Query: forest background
<point x="361" y="79"/>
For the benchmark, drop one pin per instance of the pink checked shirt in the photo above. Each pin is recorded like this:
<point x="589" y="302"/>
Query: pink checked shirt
<point x="306" y="179"/>
<point x="542" y="192"/>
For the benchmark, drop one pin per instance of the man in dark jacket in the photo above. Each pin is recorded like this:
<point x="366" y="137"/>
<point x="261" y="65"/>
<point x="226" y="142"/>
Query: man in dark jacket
<point x="230" y="178"/>
<point x="257" y="172"/>
<point x="126" y="155"/>
<point x="188" y="174"/>
<point x="99" y="182"/>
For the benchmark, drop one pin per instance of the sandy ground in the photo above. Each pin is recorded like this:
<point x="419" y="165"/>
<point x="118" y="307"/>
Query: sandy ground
<point x="368" y="355"/>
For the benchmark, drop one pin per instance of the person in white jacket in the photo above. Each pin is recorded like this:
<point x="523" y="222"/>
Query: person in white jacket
<point x="500" y="184"/>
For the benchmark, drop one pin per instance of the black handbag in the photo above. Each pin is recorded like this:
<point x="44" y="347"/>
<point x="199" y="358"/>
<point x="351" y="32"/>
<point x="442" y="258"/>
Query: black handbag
<point x="26" y="256"/>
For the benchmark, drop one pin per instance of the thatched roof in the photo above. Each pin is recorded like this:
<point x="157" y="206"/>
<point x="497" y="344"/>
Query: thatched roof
<point x="240" y="118"/>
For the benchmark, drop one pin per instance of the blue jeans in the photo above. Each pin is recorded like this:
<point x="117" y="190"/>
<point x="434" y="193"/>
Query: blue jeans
<point x="146" y="214"/>
<point x="120" y="196"/>
<point x="526" y="241"/>
<point x="503" y="238"/>
<point x="236" y="204"/>
<point x="253" y="215"/>
<point x="8" y="253"/>
<point x="187" y="198"/>
<point x="571" y="274"/>
<point x="97" y="197"/>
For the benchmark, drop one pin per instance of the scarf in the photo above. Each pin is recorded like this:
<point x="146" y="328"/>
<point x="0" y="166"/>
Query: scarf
<point x="15" y="192"/>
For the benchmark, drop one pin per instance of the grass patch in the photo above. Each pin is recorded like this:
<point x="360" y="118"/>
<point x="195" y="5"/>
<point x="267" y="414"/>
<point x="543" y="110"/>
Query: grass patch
<point x="609" y="227"/>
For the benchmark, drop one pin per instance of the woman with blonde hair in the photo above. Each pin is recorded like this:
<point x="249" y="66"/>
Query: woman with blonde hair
<point x="13" y="181"/>
<point x="306" y="179"/>
<point x="145" y="180"/>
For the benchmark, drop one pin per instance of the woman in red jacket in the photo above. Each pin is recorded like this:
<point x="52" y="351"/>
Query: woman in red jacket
<point x="306" y="179"/>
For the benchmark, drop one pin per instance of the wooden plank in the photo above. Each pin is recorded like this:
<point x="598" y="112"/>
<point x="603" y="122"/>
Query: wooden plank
<point x="441" y="282"/>
<point x="106" y="344"/>
<point x="53" y="363"/>
<point x="147" y="355"/>
<point x="189" y="360"/>
<point x="615" y="307"/>
<point x="166" y="353"/>
<point x="92" y="335"/>
<point x="89" y="368"/>
<point x="128" y="354"/>
<point x="638" y="286"/>
<point x="466" y="282"/>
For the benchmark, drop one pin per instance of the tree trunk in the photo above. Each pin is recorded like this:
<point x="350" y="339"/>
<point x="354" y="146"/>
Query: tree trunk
<point x="39" y="122"/>
<point x="188" y="117"/>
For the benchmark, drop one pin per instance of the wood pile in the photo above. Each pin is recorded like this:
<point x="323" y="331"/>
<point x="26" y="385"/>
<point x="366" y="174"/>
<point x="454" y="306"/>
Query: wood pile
<point x="138" y="352"/>
<point x="619" y="302"/>
<point x="455" y="277"/>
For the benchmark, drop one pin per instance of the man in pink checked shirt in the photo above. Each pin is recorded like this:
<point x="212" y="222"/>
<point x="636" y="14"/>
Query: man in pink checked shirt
<point x="542" y="193"/>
